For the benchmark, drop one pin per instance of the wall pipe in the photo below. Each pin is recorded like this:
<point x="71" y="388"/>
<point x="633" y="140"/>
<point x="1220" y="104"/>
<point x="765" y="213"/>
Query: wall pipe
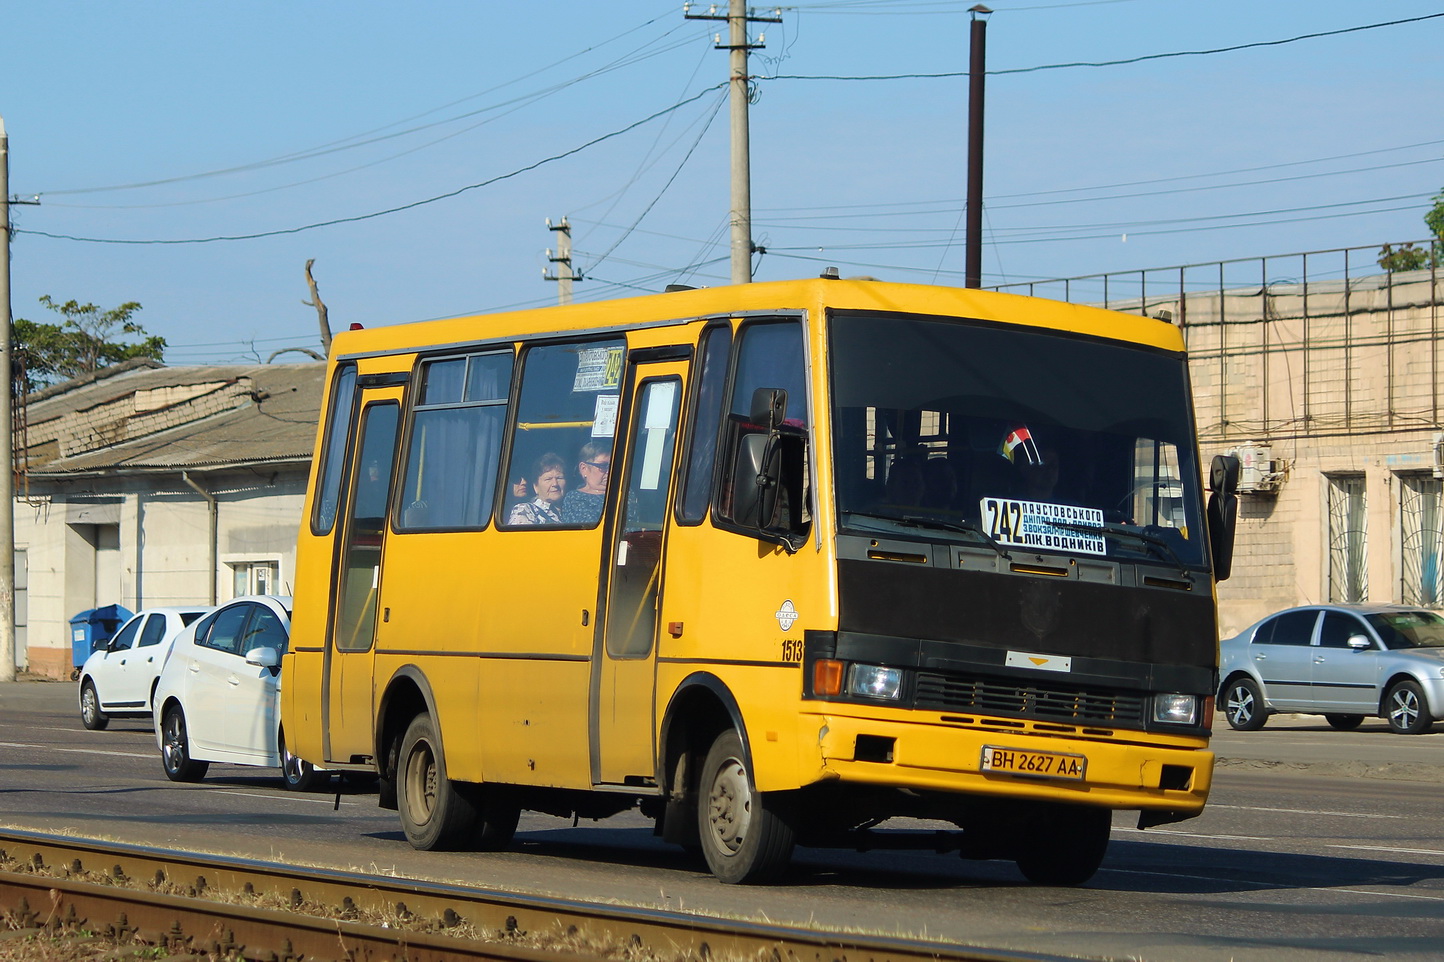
<point x="215" y="530"/>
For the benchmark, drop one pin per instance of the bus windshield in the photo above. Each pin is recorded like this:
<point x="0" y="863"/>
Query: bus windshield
<point x="1021" y="438"/>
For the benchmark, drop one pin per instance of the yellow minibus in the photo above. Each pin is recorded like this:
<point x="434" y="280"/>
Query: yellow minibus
<point x="775" y="563"/>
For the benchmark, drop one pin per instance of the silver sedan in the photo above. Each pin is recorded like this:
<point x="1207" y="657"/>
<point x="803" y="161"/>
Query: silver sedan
<point x="1345" y="662"/>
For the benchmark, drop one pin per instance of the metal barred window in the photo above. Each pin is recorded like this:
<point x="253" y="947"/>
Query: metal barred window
<point x="1348" y="543"/>
<point x="1421" y="523"/>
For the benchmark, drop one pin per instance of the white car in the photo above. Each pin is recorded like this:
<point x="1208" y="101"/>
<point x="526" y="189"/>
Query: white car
<point x="219" y="694"/>
<point x="118" y="679"/>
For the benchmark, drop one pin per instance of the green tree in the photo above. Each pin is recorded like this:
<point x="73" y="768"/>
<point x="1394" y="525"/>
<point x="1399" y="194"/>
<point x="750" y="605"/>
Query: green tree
<point x="87" y="340"/>
<point x="1407" y="257"/>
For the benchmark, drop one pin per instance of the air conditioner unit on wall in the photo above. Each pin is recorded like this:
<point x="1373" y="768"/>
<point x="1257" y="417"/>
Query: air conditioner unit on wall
<point x="1438" y="454"/>
<point x="1258" y="471"/>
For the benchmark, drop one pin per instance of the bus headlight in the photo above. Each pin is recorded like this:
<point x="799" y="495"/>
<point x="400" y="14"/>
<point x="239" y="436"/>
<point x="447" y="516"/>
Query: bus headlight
<point x="1175" y="709"/>
<point x="874" y="681"/>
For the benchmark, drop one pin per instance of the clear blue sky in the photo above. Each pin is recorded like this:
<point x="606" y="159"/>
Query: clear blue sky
<point x="274" y="115"/>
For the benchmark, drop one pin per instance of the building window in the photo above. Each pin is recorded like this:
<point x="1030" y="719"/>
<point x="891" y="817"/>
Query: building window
<point x="1421" y="522"/>
<point x="1348" y="544"/>
<point x="254" y="577"/>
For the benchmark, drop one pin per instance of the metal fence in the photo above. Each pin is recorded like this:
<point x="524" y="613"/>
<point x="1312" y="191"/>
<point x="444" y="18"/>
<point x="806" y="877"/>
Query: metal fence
<point x="1153" y="290"/>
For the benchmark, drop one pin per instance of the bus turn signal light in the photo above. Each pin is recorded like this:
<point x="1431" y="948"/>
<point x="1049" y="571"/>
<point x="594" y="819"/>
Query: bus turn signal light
<point x="827" y="677"/>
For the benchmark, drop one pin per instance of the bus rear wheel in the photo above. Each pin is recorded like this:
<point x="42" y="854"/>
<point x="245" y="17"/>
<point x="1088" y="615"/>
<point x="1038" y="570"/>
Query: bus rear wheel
<point x="438" y="814"/>
<point x="746" y="835"/>
<point x="1065" y="844"/>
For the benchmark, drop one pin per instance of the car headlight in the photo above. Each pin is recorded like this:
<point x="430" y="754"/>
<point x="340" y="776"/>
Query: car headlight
<point x="1175" y="709"/>
<point x="874" y="681"/>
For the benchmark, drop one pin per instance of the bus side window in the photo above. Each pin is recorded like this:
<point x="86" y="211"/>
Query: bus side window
<point x="328" y="489"/>
<point x="769" y="363"/>
<point x="455" y="442"/>
<point x="569" y="399"/>
<point x="705" y="424"/>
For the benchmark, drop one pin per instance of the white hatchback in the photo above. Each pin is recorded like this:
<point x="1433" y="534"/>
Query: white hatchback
<point x="118" y="679"/>
<point x="219" y="694"/>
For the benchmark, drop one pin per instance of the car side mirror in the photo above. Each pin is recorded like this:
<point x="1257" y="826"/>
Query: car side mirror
<point x="100" y="644"/>
<point x="263" y="657"/>
<point x="1360" y="642"/>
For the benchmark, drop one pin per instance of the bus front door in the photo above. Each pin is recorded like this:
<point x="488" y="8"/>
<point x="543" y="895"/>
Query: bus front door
<point x="624" y="663"/>
<point x="349" y="648"/>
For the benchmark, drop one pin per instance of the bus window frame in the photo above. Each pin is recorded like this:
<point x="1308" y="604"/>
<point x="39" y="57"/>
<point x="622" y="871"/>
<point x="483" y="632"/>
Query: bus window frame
<point x="407" y="429"/>
<point x="801" y="320"/>
<point x="502" y="503"/>
<point x="694" y="401"/>
<point x="335" y="434"/>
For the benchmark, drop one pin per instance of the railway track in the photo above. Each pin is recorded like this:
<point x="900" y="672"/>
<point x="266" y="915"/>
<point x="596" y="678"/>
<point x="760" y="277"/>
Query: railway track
<point x="235" y="908"/>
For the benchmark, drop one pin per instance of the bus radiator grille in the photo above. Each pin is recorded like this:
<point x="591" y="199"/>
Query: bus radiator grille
<point x="1004" y="697"/>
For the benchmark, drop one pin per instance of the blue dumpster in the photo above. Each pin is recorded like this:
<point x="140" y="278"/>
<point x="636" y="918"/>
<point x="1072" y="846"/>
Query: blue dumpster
<point x="92" y="626"/>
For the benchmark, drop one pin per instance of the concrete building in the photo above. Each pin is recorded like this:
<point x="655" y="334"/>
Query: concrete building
<point x="145" y="485"/>
<point x="1332" y="393"/>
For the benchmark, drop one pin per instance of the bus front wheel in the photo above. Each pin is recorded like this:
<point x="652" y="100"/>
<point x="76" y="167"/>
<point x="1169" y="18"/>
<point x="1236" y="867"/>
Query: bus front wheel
<point x="438" y="814"/>
<point x="746" y="835"/>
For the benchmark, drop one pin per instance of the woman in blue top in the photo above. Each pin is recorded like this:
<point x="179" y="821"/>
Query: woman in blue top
<point x="583" y="505"/>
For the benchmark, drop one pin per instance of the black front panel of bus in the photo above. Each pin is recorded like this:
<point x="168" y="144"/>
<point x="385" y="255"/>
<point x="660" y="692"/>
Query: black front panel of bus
<point x="1159" y="627"/>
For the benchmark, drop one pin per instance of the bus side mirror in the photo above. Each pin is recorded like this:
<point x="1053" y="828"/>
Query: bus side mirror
<point x="757" y="475"/>
<point x="1222" y="513"/>
<point x="769" y="407"/>
<point x="758" y="480"/>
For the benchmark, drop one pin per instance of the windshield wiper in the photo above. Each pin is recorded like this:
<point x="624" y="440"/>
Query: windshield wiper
<point x="925" y="521"/>
<point x="1165" y="551"/>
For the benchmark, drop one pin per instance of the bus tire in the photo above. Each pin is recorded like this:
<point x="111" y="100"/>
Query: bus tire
<point x="435" y="815"/>
<point x="1065" y="844"/>
<point x="746" y="835"/>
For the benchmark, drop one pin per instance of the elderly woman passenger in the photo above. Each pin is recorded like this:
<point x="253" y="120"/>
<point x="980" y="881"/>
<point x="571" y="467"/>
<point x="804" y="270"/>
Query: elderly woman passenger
<point x="548" y="479"/>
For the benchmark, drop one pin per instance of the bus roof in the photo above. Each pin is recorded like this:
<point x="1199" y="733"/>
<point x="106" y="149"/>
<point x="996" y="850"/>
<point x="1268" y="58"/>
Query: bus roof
<point x="814" y="294"/>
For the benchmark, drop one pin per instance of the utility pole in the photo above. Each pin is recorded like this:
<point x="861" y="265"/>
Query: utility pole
<point x="563" y="259"/>
<point x="977" y="54"/>
<point x="737" y="19"/>
<point x="7" y="427"/>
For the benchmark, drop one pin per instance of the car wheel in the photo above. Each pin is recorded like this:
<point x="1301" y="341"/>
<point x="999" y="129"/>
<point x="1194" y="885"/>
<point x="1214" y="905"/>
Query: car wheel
<point x="299" y="774"/>
<point x="1406" y="709"/>
<point x="1066" y="845"/>
<point x="1243" y="705"/>
<point x="747" y="836"/>
<point x="439" y="814"/>
<point x="90" y="714"/>
<point x="1344" y="723"/>
<point x="175" y="751"/>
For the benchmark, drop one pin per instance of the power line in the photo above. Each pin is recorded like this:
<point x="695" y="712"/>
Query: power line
<point x="391" y="210"/>
<point x="375" y="135"/>
<point x="1109" y="63"/>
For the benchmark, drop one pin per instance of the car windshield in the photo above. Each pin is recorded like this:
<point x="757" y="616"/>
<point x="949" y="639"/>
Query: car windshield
<point x="1409" y="629"/>
<point x="1021" y="437"/>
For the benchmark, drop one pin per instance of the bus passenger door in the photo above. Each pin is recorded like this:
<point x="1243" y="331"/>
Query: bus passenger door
<point x="624" y="664"/>
<point x="349" y="645"/>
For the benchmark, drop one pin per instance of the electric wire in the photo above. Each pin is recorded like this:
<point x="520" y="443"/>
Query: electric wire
<point x="1110" y="63"/>
<point x="390" y="210"/>
<point x="376" y="135"/>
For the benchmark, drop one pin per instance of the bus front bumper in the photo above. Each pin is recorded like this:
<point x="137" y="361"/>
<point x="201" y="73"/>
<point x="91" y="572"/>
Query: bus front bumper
<point x="1167" y="778"/>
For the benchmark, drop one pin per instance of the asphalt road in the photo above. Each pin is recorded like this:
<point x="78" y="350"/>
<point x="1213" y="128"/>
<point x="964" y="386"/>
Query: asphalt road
<point x="1316" y="844"/>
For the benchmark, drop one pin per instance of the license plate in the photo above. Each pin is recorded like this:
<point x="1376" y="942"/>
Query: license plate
<point x="1017" y="761"/>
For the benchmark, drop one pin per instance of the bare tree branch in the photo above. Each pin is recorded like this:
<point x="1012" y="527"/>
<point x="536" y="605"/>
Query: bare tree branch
<point x="320" y="307"/>
<point x="299" y="350"/>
